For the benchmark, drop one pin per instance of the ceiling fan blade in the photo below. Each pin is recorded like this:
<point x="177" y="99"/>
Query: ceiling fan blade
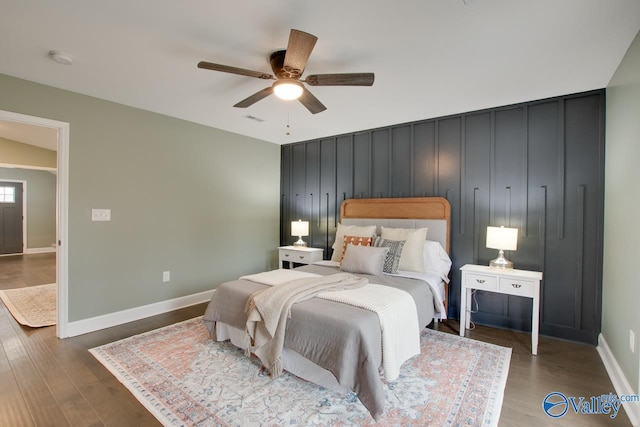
<point x="255" y="98"/>
<point x="298" y="51"/>
<point x="349" y="79"/>
<point x="234" y="70"/>
<point x="311" y="102"/>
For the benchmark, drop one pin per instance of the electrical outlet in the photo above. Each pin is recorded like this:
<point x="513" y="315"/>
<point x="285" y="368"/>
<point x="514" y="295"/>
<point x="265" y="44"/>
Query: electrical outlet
<point x="632" y="341"/>
<point x="166" y="276"/>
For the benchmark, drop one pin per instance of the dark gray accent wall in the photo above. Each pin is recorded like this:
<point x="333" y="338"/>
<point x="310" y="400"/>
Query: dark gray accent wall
<point x="537" y="166"/>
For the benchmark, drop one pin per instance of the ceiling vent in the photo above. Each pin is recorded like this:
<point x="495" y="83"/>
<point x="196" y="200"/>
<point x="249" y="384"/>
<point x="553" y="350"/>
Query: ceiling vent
<point x="254" y="118"/>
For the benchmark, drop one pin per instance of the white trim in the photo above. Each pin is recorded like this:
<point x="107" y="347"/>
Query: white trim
<point x="620" y="383"/>
<point x="31" y="251"/>
<point x="24" y="213"/>
<point x="104" y="321"/>
<point x="62" y="201"/>
<point x="62" y="265"/>
<point x="17" y="166"/>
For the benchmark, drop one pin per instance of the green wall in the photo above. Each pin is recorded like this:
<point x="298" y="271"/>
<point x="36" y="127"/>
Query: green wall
<point x="41" y="204"/>
<point x="621" y="282"/>
<point x="196" y="201"/>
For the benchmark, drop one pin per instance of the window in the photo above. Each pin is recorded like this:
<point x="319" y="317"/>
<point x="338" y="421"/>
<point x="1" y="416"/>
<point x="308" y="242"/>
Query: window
<point x="7" y="195"/>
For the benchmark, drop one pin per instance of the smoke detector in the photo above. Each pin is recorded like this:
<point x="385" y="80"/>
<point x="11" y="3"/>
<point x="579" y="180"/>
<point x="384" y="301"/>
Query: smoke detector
<point x="60" y="57"/>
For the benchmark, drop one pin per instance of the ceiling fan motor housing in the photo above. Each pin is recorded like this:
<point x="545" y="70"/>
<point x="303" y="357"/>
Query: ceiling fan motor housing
<point x="276" y="59"/>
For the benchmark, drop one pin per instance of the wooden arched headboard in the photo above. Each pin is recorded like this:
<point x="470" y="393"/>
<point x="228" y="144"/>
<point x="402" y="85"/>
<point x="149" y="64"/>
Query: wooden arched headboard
<point x="406" y="208"/>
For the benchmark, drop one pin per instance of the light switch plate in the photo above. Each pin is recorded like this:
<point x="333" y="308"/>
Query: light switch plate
<point x="100" y="214"/>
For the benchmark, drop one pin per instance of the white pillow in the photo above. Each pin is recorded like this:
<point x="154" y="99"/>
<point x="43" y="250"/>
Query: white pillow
<point x="412" y="258"/>
<point x="349" y="230"/>
<point x="364" y="259"/>
<point x="436" y="259"/>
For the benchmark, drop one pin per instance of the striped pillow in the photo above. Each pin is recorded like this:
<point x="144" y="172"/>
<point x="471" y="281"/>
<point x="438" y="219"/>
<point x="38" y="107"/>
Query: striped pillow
<point x="392" y="261"/>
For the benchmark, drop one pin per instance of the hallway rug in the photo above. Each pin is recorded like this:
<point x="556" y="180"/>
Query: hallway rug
<point x="185" y="379"/>
<point x="33" y="306"/>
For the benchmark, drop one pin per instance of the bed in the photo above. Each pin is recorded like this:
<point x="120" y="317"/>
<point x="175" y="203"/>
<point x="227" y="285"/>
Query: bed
<point x="338" y="345"/>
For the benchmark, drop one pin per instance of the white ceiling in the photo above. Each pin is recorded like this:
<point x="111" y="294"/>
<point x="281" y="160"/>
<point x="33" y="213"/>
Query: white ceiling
<point x="430" y="57"/>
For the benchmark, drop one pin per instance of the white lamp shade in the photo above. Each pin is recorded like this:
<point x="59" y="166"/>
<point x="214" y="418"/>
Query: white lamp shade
<point x="288" y="89"/>
<point x="299" y="228"/>
<point x="502" y="238"/>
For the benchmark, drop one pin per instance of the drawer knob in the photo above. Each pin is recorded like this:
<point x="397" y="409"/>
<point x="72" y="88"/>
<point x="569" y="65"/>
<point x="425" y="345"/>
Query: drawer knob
<point x="516" y="285"/>
<point x="480" y="280"/>
<point x="301" y="256"/>
<point x="286" y="255"/>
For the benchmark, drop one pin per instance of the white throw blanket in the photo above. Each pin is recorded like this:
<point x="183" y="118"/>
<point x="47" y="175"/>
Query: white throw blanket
<point x="398" y="321"/>
<point x="395" y="308"/>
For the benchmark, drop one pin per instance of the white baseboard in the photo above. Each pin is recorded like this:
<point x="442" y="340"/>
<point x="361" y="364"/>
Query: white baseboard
<point x="30" y="251"/>
<point x="104" y="321"/>
<point x="618" y="379"/>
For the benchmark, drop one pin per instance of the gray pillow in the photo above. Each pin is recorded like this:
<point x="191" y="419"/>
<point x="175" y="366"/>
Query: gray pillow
<point x="392" y="261"/>
<point x="364" y="259"/>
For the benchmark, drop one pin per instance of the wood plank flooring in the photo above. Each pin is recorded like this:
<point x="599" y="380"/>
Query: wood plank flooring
<point x="19" y="271"/>
<point x="45" y="381"/>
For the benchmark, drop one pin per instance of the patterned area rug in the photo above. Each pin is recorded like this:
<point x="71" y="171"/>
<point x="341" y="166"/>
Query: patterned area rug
<point x="185" y="378"/>
<point x="34" y="306"/>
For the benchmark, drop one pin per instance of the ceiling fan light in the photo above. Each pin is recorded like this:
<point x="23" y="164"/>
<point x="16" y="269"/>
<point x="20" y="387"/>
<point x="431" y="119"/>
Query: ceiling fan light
<point x="288" y="89"/>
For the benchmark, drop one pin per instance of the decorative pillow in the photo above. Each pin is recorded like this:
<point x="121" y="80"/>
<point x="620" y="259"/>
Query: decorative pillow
<point x="349" y="230"/>
<point x="364" y="260"/>
<point x="355" y="240"/>
<point x="392" y="260"/>
<point x="412" y="258"/>
<point x="436" y="259"/>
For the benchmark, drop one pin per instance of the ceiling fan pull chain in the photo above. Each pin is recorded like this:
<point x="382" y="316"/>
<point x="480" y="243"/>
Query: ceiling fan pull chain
<point x="288" y="127"/>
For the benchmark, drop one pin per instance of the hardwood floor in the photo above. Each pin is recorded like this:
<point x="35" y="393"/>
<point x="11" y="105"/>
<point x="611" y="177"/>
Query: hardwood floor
<point x="570" y="368"/>
<point x="45" y="381"/>
<point x="18" y="271"/>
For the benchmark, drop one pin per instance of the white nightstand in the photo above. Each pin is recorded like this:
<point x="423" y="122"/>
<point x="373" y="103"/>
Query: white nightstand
<point x="299" y="255"/>
<point x="522" y="283"/>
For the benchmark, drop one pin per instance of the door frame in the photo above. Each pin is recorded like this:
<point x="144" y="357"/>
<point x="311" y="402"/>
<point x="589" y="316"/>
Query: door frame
<point x="23" y="250"/>
<point x="62" y="212"/>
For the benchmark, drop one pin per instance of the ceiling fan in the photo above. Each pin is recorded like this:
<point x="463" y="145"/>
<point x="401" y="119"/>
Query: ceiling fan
<point x="288" y="66"/>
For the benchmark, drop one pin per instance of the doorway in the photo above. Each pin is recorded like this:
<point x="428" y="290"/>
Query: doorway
<point x="62" y="185"/>
<point x="11" y="217"/>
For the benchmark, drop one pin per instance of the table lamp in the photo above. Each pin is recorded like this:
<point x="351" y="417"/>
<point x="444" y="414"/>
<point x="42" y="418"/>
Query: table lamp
<point x="503" y="239"/>
<point x="300" y="228"/>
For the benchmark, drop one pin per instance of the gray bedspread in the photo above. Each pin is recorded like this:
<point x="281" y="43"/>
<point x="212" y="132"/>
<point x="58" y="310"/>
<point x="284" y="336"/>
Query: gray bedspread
<point x="340" y="338"/>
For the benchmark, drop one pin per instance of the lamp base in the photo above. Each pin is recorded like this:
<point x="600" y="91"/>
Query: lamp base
<point x="501" y="262"/>
<point x="300" y="243"/>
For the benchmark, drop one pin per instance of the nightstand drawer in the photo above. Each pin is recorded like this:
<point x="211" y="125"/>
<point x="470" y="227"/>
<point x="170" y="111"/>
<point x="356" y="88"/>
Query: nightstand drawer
<point x="516" y="287"/>
<point x="298" y="255"/>
<point x="479" y="281"/>
<point x="295" y="256"/>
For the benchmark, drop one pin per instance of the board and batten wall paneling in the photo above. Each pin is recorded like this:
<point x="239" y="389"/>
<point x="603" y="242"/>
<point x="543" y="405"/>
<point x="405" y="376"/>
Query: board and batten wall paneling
<point x="401" y="182"/>
<point x="325" y="223"/>
<point x="536" y="166"/>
